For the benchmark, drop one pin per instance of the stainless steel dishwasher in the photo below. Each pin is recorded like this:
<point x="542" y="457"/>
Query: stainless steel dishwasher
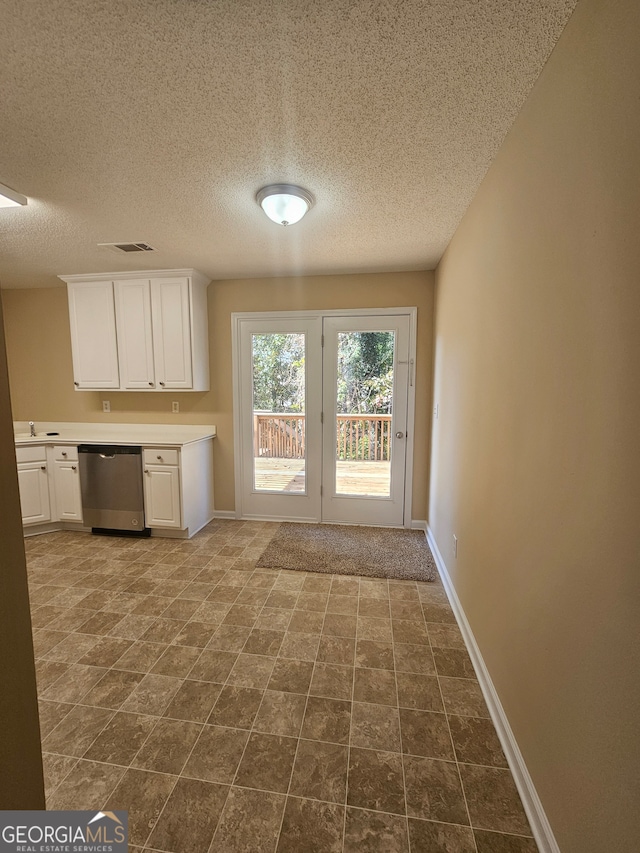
<point x="111" y="486"/>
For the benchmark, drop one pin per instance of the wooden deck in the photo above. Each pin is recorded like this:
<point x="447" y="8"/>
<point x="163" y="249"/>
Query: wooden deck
<point x="353" y="478"/>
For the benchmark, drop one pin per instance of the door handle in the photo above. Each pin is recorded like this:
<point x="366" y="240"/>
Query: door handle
<point x="399" y="434"/>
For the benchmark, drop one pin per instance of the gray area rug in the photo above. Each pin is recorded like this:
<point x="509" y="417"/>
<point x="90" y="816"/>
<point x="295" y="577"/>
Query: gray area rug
<point x="373" y="552"/>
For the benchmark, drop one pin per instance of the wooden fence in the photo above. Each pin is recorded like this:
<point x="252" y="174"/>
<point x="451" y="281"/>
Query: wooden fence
<point x="359" y="437"/>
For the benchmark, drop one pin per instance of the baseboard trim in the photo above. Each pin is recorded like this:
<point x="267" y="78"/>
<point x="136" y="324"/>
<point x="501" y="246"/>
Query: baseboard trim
<point x="419" y="524"/>
<point x="540" y="825"/>
<point x="225" y="513"/>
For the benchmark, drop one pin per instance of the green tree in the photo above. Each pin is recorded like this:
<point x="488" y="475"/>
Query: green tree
<point x="278" y="372"/>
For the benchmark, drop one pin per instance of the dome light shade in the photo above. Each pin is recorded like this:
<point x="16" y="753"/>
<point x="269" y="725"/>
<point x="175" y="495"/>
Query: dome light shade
<point x="284" y="203"/>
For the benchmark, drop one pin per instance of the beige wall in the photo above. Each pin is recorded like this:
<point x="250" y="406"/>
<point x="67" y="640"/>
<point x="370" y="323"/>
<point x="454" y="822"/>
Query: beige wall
<point x="21" y="780"/>
<point x="536" y="453"/>
<point x="40" y="370"/>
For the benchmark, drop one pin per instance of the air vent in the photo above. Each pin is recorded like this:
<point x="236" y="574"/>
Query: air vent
<point x="127" y="248"/>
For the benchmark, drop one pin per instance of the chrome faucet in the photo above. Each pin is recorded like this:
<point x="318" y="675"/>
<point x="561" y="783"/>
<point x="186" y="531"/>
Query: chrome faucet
<point x="32" y="429"/>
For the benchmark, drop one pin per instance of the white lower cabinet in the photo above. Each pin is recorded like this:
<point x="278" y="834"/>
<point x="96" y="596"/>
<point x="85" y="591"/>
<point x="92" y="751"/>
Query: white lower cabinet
<point x="162" y="504"/>
<point x="66" y="484"/>
<point x="34" y="484"/>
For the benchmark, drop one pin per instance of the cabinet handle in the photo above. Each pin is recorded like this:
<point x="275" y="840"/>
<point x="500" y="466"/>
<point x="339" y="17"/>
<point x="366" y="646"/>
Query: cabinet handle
<point x="73" y="467"/>
<point x="151" y="384"/>
<point x="162" y="383"/>
<point x="64" y="453"/>
<point x="76" y="384"/>
<point x="159" y="458"/>
<point x="43" y="467"/>
<point x="146" y="470"/>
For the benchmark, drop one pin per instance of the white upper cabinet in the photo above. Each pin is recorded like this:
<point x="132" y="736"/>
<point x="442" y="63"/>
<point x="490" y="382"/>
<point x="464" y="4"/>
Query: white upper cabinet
<point x="93" y="335"/>
<point x="159" y="327"/>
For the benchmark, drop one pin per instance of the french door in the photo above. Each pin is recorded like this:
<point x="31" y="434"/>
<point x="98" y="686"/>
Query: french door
<point x="322" y="405"/>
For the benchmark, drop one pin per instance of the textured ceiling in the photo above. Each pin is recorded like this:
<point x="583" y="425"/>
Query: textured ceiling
<point x="158" y="120"/>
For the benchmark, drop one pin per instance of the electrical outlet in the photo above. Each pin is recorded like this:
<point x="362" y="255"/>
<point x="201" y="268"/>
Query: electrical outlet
<point x="175" y="407"/>
<point x="106" y="406"/>
<point x="455" y="546"/>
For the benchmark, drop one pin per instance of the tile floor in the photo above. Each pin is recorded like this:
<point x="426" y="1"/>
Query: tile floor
<point x="232" y="709"/>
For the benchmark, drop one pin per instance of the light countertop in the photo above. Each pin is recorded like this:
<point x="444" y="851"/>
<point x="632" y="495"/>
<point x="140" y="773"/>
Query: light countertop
<point x="152" y="435"/>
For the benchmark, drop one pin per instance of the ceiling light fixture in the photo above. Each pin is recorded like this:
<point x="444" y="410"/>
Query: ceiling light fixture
<point x="284" y="203"/>
<point x="10" y="198"/>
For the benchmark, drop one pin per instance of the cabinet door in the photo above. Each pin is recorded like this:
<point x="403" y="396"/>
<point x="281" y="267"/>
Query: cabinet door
<point x="93" y="335"/>
<point x="135" y="342"/>
<point x="162" y="496"/>
<point x="66" y="481"/>
<point x="34" y="492"/>
<point x="171" y="332"/>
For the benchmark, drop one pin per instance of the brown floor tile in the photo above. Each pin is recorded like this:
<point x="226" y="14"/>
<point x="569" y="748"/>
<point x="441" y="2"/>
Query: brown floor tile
<point x="236" y="706"/>
<point x="55" y="769"/>
<point x="374" y="588"/>
<point x="445" y="636"/>
<point x="300" y="646"/>
<point x="493" y="800"/>
<point x="425" y="733"/>
<point x="332" y="681"/>
<point x="194" y="700"/>
<point x="176" y="661"/>
<point x="377" y="686"/>
<point x="338" y="650"/>
<point x="282" y="598"/>
<point x="345" y="586"/>
<point x="267" y="762"/>
<point x="51" y="713"/>
<point x="249" y="595"/>
<point x="280" y="713"/>
<point x="453" y="663"/>
<point x="100" y="623"/>
<point x="143" y="795"/>
<point x="375" y="781"/>
<point x="140" y="657"/>
<point x="374" y="608"/>
<point x="311" y="826"/>
<point x="77" y="731"/>
<point x="313" y="601"/>
<point x="72" y="647"/>
<point x="152" y="695"/>
<point x="251" y="671"/>
<point x="418" y="691"/>
<point x="112" y="689"/>
<point x="180" y="608"/>
<point x="337" y="625"/>
<point x="230" y="638"/>
<point x="373" y="628"/>
<point x="168" y="746"/>
<point x="403" y="591"/>
<point x="374" y="655"/>
<point x="375" y="727"/>
<point x="89" y="784"/>
<point x="49" y="671"/>
<point x="273" y="619"/>
<point x="414" y="658"/>
<point x="250" y="822"/>
<point x="434" y="791"/>
<point x="327" y="719"/>
<point x="320" y="771"/>
<point x="213" y="665"/>
<point x="263" y="642"/>
<point x="345" y="604"/>
<point x="190" y="816"/>
<point x="430" y="837"/>
<point x="291" y="676"/>
<point x="241" y="614"/>
<point x="463" y="696"/>
<point x="121" y="738"/>
<point x="317" y="583"/>
<point x="75" y="682"/>
<point x="132" y="626"/>
<point x="195" y="634"/>
<point x="492" y="842"/>
<point x="412" y="633"/>
<point x="375" y="832"/>
<point x="438" y="612"/>
<point x="306" y="622"/>
<point x="476" y="742"/>
<point x="407" y="610"/>
<point x="106" y="652"/>
<point x="216" y="755"/>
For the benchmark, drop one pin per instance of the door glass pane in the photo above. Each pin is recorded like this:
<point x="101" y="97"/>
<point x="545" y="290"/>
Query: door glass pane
<point x="364" y="406"/>
<point x="278" y="365"/>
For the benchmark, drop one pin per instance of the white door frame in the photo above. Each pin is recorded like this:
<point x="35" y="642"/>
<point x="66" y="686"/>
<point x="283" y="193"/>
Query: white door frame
<point x="236" y="319"/>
